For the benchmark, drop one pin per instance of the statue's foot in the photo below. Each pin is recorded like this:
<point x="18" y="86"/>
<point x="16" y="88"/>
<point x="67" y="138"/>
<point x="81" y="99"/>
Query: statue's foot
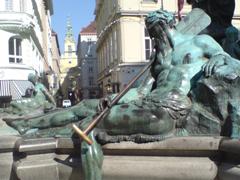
<point x="181" y="132"/>
<point x="22" y="130"/>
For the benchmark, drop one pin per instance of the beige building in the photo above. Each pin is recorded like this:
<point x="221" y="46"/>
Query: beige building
<point x="46" y="38"/>
<point x="70" y="72"/>
<point x="123" y="45"/>
<point x="55" y="50"/>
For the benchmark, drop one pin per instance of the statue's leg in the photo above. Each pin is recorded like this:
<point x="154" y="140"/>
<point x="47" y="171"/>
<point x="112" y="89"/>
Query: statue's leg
<point x="13" y="110"/>
<point x="127" y="119"/>
<point x="44" y="121"/>
<point x="57" y="118"/>
<point x="86" y="108"/>
<point x="92" y="156"/>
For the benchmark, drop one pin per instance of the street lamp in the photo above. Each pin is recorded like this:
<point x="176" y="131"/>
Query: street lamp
<point x="109" y="87"/>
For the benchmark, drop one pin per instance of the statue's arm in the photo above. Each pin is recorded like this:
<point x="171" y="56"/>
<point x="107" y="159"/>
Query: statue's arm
<point x="213" y="52"/>
<point x="209" y="46"/>
<point x="48" y="96"/>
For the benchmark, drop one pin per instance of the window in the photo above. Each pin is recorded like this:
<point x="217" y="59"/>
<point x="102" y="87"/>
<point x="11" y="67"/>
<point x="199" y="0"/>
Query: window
<point x="89" y="41"/>
<point x="90" y="81"/>
<point x="16" y="5"/>
<point x="148" y="45"/>
<point x="9" y="5"/>
<point x="115" y="41"/>
<point x="69" y="51"/>
<point x="89" y="52"/>
<point x="104" y="56"/>
<point x="116" y="88"/>
<point x="23" y="6"/>
<point x="15" y="50"/>
<point x="101" y="67"/>
<point x="107" y="52"/>
<point x="90" y="69"/>
<point x="111" y="49"/>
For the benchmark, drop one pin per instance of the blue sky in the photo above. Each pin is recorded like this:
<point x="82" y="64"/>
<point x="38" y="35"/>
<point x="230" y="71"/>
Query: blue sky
<point x="80" y="11"/>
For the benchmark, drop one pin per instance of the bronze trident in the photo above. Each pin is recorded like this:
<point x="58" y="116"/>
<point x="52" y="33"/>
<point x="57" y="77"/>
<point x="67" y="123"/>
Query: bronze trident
<point x="103" y="114"/>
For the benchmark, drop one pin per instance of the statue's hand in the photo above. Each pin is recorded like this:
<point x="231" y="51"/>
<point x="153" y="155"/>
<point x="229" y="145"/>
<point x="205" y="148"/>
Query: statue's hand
<point x="103" y="103"/>
<point x="210" y="67"/>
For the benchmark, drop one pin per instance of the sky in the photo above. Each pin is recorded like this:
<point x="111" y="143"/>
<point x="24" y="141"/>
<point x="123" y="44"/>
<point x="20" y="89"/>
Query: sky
<point x="81" y="13"/>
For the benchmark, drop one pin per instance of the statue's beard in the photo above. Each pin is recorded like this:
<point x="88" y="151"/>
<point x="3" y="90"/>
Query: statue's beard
<point x="162" y="43"/>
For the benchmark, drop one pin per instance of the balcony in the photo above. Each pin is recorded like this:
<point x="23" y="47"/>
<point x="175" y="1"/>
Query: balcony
<point x="16" y="21"/>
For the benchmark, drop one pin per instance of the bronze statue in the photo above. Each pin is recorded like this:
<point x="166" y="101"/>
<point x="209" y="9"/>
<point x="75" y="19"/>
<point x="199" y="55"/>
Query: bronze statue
<point x="174" y="68"/>
<point x="195" y="91"/>
<point x="37" y="101"/>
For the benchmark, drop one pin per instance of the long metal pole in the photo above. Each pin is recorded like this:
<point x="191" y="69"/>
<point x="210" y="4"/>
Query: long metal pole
<point x="117" y="98"/>
<point x="103" y="114"/>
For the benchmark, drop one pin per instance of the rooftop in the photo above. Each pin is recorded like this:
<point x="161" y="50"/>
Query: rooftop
<point x="90" y="29"/>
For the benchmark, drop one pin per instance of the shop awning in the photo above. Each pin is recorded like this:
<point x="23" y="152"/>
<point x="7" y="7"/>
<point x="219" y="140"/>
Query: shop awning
<point x="14" y="88"/>
<point x="5" y="89"/>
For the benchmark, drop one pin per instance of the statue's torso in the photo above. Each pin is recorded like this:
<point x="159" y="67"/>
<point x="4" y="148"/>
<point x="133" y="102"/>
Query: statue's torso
<point x="186" y="60"/>
<point x="187" y="52"/>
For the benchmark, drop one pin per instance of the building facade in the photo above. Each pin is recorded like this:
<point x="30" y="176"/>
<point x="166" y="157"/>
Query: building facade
<point x="87" y="59"/>
<point x="22" y="44"/>
<point x="56" y="56"/>
<point x="70" y="72"/>
<point x="48" y="73"/>
<point x="123" y="45"/>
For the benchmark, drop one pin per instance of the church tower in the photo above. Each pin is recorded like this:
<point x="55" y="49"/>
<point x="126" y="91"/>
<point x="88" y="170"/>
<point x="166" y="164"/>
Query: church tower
<point x="69" y="54"/>
<point x="69" y="65"/>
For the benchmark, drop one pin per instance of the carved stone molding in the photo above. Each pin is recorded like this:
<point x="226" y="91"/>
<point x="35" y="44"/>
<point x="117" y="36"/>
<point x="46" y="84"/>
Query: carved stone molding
<point x="16" y="22"/>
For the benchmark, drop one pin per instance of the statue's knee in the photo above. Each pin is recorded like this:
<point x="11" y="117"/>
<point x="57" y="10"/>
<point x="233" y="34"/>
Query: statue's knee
<point x="63" y="118"/>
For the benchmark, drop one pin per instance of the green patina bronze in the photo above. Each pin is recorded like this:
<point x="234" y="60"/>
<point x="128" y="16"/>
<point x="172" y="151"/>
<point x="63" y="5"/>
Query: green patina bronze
<point x="38" y="101"/>
<point x="195" y="92"/>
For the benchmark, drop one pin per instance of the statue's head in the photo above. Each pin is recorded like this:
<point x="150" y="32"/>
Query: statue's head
<point x="232" y="34"/>
<point x="32" y="78"/>
<point x="158" y="21"/>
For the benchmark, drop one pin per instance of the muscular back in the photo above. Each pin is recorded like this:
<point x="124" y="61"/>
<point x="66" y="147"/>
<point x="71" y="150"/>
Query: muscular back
<point x="187" y="58"/>
<point x="199" y="48"/>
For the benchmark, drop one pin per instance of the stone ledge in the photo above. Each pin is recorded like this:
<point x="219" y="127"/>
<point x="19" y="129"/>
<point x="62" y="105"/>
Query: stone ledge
<point x="173" y="146"/>
<point x="7" y="143"/>
<point x="153" y="168"/>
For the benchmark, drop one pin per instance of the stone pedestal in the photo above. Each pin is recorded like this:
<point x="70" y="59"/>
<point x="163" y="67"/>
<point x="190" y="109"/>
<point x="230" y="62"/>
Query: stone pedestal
<point x="176" y="158"/>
